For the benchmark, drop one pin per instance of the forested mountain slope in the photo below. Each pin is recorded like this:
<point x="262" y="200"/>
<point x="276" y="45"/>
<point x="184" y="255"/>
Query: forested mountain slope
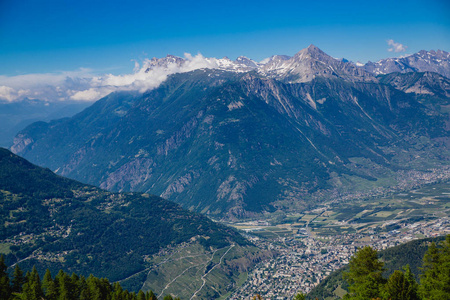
<point x="58" y="223"/>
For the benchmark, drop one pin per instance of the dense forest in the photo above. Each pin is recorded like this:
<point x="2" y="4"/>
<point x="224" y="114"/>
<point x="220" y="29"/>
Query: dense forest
<point x="62" y="286"/>
<point x="49" y="221"/>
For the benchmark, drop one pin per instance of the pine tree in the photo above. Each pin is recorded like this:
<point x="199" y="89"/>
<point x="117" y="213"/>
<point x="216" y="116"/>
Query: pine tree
<point x="18" y="280"/>
<point x="299" y="296"/>
<point x="99" y="289"/>
<point x="93" y="287"/>
<point x="435" y="277"/>
<point x="413" y="286"/>
<point x="5" y="289"/>
<point x="401" y="286"/>
<point x="84" y="294"/>
<point x="150" y="295"/>
<point x="364" y="275"/>
<point x="65" y="286"/>
<point x="49" y="286"/>
<point x="118" y="293"/>
<point x="141" y="295"/>
<point x="32" y="289"/>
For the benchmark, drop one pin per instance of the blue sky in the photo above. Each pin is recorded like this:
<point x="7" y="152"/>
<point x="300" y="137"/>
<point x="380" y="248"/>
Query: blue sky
<point x="48" y="36"/>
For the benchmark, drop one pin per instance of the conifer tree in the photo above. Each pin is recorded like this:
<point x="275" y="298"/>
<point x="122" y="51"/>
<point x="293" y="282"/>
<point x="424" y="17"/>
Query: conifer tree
<point x="94" y="288"/>
<point x="118" y="292"/>
<point x="32" y="289"/>
<point x="299" y="296"/>
<point x="413" y="286"/>
<point x="49" y="286"/>
<point x="82" y="286"/>
<point x="65" y="286"/>
<point x="18" y="280"/>
<point x="435" y="278"/>
<point x="150" y="295"/>
<point x="141" y="295"/>
<point x="364" y="275"/>
<point x="5" y="289"/>
<point x="75" y="285"/>
<point x="401" y="286"/>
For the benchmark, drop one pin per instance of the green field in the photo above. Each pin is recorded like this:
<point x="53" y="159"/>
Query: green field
<point x="365" y="215"/>
<point x="428" y="202"/>
<point x="4" y="248"/>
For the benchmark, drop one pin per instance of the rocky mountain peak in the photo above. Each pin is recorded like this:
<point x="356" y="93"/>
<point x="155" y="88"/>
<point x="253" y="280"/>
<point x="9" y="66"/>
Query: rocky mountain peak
<point x="163" y="62"/>
<point x="423" y="61"/>
<point x="247" y="62"/>
<point x="312" y="52"/>
<point x="310" y="63"/>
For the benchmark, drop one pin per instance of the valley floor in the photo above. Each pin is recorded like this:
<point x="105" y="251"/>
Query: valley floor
<point x="313" y="244"/>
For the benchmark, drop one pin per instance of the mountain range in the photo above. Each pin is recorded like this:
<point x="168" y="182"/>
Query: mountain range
<point x="423" y="61"/>
<point x="246" y="138"/>
<point x="311" y="62"/>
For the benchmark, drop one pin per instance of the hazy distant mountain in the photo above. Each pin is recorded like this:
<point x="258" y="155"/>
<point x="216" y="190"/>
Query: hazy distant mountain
<point x="423" y="61"/>
<point x="15" y="116"/>
<point x="232" y="144"/>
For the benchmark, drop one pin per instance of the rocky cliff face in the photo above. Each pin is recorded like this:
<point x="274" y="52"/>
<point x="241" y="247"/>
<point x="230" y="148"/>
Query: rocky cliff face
<point x="428" y="83"/>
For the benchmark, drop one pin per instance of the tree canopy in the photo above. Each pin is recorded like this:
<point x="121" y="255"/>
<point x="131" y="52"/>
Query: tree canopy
<point x="366" y="281"/>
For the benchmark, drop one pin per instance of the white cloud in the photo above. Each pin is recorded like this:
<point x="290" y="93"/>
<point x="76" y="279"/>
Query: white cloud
<point x="88" y="95"/>
<point x="83" y="85"/>
<point x="396" y="47"/>
<point x="7" y="93"/>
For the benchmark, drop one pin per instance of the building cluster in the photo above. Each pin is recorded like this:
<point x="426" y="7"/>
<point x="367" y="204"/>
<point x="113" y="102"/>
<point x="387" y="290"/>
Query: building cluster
<point x="302" y="262"/>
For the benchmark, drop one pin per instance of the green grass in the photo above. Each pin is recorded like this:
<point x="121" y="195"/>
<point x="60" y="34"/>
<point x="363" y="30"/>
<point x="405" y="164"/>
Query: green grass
<point x="340" y="292"/>
<point x="4" y="248"/>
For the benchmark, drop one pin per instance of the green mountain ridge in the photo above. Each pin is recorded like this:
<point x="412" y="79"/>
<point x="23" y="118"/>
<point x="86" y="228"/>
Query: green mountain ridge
<point x="57" y="223"/>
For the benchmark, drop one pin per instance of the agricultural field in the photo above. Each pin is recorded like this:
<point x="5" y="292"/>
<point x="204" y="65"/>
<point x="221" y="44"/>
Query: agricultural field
<point x="365" y="216"/>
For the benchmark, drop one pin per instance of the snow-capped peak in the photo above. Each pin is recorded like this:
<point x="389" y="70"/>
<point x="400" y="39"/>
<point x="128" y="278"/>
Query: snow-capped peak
<point x="422" y="61"/>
